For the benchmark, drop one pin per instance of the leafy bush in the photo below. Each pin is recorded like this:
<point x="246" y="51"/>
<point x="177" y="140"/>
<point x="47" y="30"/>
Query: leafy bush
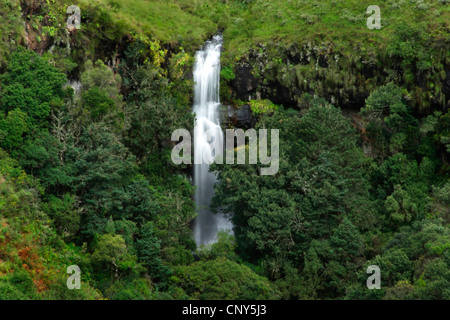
<point x="223" y="279"/>
<point x="227" y="74"/>
<point x="262" y="107"/>
<point x="33" y="85"/>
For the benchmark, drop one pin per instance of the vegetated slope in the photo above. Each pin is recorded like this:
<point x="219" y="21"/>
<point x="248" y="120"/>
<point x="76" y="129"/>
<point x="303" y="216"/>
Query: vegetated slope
<point x="33" y="257"/>
<point x="247" y="23"/>
<point x="286" y="48"/>
<point x="165" y="20"/>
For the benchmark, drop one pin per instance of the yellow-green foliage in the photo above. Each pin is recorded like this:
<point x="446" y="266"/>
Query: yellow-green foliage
<point x="163" y="19"/>
<point x="300" y="21"/>
<point x="262" y="106"/>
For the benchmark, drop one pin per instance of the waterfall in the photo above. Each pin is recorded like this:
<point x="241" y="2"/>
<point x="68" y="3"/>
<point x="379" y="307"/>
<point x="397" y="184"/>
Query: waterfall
<point x="207" y="130"/>
<point x="76" y="86"/>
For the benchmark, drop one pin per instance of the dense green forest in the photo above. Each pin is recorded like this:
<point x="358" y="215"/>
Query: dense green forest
<point x="86" y="176"/>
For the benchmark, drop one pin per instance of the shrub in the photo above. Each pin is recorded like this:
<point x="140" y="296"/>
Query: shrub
<point x="263" y="106"/>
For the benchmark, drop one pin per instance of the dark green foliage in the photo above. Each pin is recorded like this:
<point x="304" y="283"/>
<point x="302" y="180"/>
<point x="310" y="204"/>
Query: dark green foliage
<point x="224" y="247"/>
<point x="154" y="114"/>
<point x="65" y="214"/>
<point x="148" y="247"/>
<point x="223" y="279"/>
<point x="130" y="289"/>
<point x="104" y="179"/>
<point x="309" y="197"/>
<point x="17" y="286"/>
<point x="409" y="48"/>
<point x="97" y="102"/>
<point x="12" y="129"/>
<point x="390" y="114"/>
<point x="32" y="85"/>
<point x="227" y="74"/>
<point x="41" y="156"/>
<point x="9" y="291"/>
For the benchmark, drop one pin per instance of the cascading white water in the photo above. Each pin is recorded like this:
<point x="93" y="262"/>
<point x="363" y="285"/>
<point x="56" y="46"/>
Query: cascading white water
<point x="207" y="130"/>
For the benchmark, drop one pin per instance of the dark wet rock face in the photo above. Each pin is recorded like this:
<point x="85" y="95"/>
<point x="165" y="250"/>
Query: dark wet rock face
<point x="244" y="117"/>
<point x="245" y="84"/>
<point x="286" y="75"/>
<point x="280" y="94"/>
<point x="239" y="118"/>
